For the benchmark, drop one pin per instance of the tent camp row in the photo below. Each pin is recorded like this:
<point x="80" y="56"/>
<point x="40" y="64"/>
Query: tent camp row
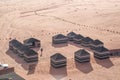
<point x="96" y="46"/>
<point x="58" y="60"/>
<point x="23" y="51"/>
<point x="76" y="38"/>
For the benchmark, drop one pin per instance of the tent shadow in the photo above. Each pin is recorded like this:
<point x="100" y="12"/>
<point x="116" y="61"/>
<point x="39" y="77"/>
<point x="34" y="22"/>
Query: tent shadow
<point x="59" y="45"/>
<point x="84" y="67"/>
<point x="58" y="73"/>
<point x="104" y="62"/>
<point x="18" y="59"/>
<point x="31" y="69"/>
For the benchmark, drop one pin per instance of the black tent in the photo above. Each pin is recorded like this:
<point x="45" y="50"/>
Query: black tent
<point x="82" y="56"/>
<point x="86" y="41"/>
<point x="58" y="60"/>
<point x="32" y="42"/>
<point x="96" y="43"/>
<point x="23" y="51"/>
<point x="101" y="53"/>
<point x="30" y="55"/>
<point x="77" y="39"/>
<point x="71" y="35"/>
<point x="59" y="39"/>
<point x="15" y="46"/>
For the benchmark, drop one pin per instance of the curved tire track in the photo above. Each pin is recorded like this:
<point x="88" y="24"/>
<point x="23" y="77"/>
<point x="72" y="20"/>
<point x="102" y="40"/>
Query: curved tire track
<point x="81" y="25"/>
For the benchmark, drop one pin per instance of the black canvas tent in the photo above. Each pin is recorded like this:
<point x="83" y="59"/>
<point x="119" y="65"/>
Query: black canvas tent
<point x="32" y="42"/>
<point x="86" y="41"/>
<point x="82" y="56"/>
<point x="71" y="36"/>
<point x="59" y="39"/>
<point x="101" y="53"/>
<point x="25" y="52"/>
<point x="96" y="43"/>
<point x="77" y="39"/>
<point x="58" y="60"/>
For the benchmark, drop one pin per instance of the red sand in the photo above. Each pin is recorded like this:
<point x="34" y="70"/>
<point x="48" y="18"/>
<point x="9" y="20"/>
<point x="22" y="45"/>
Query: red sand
<point x="42" y="19"/>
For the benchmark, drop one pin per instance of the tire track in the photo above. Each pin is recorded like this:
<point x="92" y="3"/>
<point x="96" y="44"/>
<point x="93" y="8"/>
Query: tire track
<point x="81" y="25"/>
<point x="43" y="9"/>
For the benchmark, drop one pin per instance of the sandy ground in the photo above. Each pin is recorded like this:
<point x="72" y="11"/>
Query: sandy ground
<point x="42" y="19"/>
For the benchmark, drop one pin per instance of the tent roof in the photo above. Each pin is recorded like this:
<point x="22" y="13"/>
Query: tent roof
<point x="101" y="49"/>
<point x="87" y="39"/>
<point x="71" y="34"/>
<point x="15" y="43"/>
<point x="58" y="57"/>
<point x="97" y="42"/>
<point x="78" y="36"/>
<point x="31" y="40"/>
<point x="59" y="36"/>
<point x="28" y="51"/>
<point x="82" y="52"/>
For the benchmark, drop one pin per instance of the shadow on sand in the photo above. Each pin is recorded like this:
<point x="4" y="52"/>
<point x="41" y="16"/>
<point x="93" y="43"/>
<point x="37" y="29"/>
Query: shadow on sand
<point x="60" y="45"/>
<point x="104" y="62"/>
<point x="31" y="69"/>
<point x="84" y="67"/>
<point x="20" y="60"/>
<point x="58" y="73"/>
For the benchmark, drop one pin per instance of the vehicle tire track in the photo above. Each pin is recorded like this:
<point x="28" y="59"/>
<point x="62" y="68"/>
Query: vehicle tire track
<point x="81" y="25"/>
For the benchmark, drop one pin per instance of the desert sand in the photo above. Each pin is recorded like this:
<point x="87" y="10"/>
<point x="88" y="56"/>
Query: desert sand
<point x="98" y="19"/>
